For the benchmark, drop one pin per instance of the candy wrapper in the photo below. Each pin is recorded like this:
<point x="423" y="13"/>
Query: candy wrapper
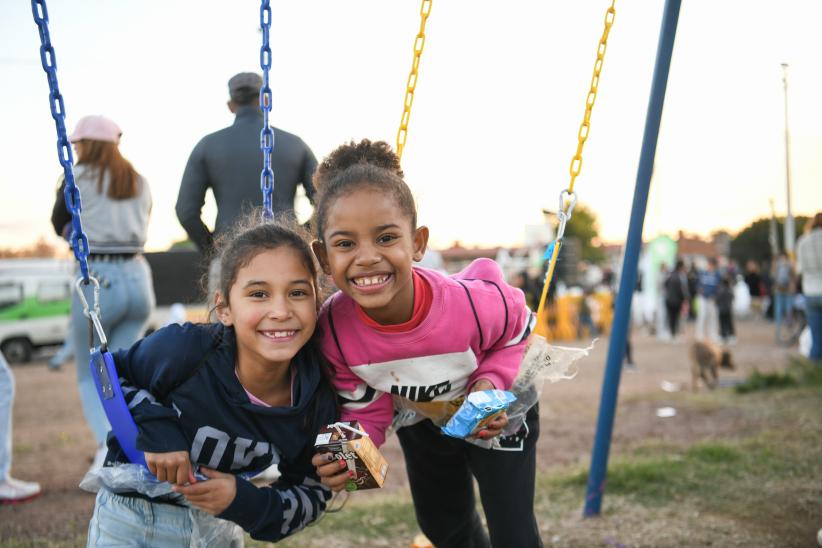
<point x="478" y="409"/>
<point x="347" y="441"/>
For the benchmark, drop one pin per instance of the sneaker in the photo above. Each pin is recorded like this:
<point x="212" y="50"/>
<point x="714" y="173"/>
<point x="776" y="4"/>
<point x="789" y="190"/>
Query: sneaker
<point x="99" y="458"/>
<point x="13" y="491"/>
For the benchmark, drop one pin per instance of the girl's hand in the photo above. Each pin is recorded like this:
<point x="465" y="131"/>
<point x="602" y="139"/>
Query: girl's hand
<point x="173" y="467"/>
<point x="333" y="473"/>
<point x="213" y="495"/>
<point x="492" y="428"/>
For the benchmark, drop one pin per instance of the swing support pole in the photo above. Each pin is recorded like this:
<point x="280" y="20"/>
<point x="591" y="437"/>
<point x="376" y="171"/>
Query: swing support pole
<point x="616" y="346"/>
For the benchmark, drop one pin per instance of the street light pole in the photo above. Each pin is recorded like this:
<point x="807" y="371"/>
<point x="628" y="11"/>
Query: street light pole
<point x="790" y="231"/>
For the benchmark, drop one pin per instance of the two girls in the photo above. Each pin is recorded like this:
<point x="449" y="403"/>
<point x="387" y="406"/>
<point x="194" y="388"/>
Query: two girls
<point x="411" y="338"/>
<point x="232" y="397"/>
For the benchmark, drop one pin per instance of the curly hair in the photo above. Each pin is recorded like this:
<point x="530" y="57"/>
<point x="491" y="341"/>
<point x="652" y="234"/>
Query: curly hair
<point x="355" y="165"/>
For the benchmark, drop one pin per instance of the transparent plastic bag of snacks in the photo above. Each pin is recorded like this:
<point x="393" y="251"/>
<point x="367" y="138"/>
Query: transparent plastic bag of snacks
<point x="409" y="412"/>
<point x="207" y="531"/>
<point x="126" y="478"/>
<point x="542" y="362"/>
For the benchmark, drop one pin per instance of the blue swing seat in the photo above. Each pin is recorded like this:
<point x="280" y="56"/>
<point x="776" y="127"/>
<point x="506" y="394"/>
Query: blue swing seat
<point x="104" y="373"/>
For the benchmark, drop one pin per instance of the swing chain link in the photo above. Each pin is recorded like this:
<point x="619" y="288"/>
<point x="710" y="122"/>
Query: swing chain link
<point x="585" y="127"/>
<point x="565" y="211"/>
<point x="78" y="239"/>
<point x="411" y="85"/>
<point x="267" y="133"/>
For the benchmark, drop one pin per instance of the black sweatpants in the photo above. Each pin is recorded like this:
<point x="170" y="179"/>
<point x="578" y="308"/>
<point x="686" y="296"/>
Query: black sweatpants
<point x="726" y="324"/>
<point x="440" y="470"/>
<point x="673" y="310"/>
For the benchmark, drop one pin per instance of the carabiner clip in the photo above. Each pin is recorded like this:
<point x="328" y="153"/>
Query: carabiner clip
<point x="93" y="314"/>
<point x="573" y="197"/>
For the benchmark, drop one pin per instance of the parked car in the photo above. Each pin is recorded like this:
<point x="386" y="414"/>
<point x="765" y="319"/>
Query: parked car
<point x="35" y="300"/>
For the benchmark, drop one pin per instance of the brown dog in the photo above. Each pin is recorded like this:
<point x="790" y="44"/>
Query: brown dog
<point x="706" y="359"/>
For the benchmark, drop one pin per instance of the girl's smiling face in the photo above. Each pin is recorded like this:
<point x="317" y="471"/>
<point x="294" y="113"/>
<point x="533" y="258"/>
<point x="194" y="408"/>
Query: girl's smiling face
<point x="368" y="247"/>
<point x="272" y="306"/>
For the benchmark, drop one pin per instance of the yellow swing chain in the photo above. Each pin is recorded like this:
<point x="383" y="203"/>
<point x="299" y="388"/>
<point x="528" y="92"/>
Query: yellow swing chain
<point x="419" y="44"/>
<point x="566" y="208"/>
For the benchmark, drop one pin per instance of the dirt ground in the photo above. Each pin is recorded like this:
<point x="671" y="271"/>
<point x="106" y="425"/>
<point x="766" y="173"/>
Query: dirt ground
<point x="53" y="445"/>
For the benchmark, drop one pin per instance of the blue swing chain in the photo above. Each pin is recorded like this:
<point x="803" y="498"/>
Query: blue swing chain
<point x="79" y="241"/>
<point x="267" y="133"/>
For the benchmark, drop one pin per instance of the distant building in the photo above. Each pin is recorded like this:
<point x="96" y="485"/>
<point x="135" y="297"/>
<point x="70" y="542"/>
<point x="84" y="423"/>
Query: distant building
<point x="693" y="249"/>
<point x="456" y="257"/>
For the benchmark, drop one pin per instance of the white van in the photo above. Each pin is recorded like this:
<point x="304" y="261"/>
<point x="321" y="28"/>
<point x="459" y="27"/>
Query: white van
<point x="35" y="302"/>
<point x="36" y="295"/>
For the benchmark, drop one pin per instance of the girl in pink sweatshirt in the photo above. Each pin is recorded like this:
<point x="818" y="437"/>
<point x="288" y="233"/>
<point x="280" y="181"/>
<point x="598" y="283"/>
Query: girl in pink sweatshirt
<point x="407" y="343"/>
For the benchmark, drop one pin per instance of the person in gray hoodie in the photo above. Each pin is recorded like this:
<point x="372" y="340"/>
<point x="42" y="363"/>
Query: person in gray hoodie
<point x="116" y="206"/>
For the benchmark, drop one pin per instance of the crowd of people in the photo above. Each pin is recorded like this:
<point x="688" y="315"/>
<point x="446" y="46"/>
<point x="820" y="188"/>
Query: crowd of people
<point x="715" y="296"/>
<point x="712" y="298"/>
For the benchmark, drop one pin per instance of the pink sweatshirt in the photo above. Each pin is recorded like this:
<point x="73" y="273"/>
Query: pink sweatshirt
<point x="460" y="341"/>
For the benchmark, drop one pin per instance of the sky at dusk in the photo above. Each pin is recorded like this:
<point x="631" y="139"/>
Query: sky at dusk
<point x="500" y="97"/>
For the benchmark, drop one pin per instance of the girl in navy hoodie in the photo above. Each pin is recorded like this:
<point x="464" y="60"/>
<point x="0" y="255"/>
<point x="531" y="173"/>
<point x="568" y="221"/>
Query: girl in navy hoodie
<point x="229" y="398"/>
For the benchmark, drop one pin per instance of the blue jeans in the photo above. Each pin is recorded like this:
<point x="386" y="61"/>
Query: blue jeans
<point x="781" y="305"/>
<point x="6" y="401"/>
<point x="813" y="311"/>
<point x="126" y="301"/>
<point x="132" y="521"/>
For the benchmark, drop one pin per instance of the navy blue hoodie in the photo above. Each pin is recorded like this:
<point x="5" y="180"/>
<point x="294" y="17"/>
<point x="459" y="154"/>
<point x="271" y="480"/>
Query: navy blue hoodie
<point x="183" y="392"/>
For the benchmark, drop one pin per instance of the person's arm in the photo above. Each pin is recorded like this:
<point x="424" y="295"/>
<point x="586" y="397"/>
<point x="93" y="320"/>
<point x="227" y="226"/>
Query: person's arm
<point x="505" y="322"/>
<point x="150" y="370"/>
<point x="373" y="408"/>
<point x="307" y="176"/>
<point x="271" y="513"/>
<point x="60" y="216"/>
<point x="683" y="281"/>
<point x="191" y="198"/>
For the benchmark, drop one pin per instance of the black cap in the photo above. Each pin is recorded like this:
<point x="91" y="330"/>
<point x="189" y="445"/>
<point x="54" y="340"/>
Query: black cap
<point x="241" y="84"/>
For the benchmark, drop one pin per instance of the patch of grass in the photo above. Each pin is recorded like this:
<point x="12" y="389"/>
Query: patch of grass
<point x="22" y="448"/>
<point x="805" y="371"/>
<point x="800" y="371"/>
<point x="44" y="543"/>
<point x="363" y="521"/>
<point x="764" y="381"/>
<point x="713" y="453"/>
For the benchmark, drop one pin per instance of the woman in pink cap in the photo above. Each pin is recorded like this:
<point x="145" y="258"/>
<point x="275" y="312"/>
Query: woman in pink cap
<point x="116" y="204"/>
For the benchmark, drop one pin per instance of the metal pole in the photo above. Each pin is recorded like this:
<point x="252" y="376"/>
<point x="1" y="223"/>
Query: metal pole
<point x="627" y="282"/>
<point x="773" y="237"/>
<point x="790" y="230"/>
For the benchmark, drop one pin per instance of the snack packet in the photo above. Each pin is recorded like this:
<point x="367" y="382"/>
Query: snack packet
<point x="348" y="442"/>
<point x="478" y="409"/>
